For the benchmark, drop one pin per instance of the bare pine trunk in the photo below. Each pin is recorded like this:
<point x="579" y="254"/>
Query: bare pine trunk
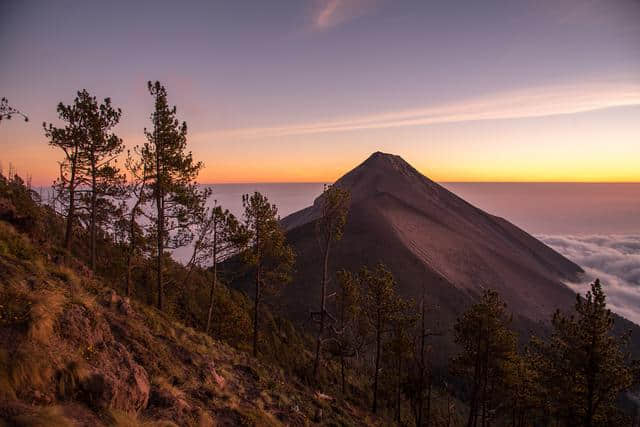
<point x="256" y="304"/>
<point x="160" y="219"/>
<point x="323" y="308"/>
<point x="92" y="263"/>
<point x="375" y="374"/>
<point x="255" y="314"/>
<point x="72" y="202"/>
<point x="215" y="274"/>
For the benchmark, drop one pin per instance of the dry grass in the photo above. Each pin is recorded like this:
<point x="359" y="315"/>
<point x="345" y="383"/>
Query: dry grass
<point x="65" y="274"/>
<point x="15" y="245"/>
<point x="126" y="419"/>
<point x="70" y="377"/>
<point x="22" y="369"/>
<point x="43" y="314"/>
<point x="49" y="416"/>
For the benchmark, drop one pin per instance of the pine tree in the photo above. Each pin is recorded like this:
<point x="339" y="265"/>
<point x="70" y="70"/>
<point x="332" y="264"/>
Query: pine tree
<point x="400" y="346"/>
<point x="99" y="152"/>
<point x="583" y="365"/>
<point x="267" y="252"/>
<point x="380" y="306"/>
<point x="219" y="236"/>
<point x="171" y="173"/>
<point x="334" y="203"/>
<point x="70" y="140"/>
<point x="136" y="242"/>
<point x="349" y="331"/>
<point x="488" y="345"/>
<point x="420" y="384"/>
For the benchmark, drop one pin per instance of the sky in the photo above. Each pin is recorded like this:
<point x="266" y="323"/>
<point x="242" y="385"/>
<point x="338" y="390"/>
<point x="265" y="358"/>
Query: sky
<point x="303" y="90"/>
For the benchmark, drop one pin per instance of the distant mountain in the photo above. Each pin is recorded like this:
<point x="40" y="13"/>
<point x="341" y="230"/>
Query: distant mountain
<point x="431" y="238"/>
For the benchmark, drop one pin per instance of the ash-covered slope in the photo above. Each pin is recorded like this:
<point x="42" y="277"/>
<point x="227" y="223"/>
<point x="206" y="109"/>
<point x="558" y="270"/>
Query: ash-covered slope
<point x="430" y="237"/>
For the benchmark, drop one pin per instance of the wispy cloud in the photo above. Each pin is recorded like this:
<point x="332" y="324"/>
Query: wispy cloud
<point x="329" y="13"/>
<point x="536" y="102"/>
<point x="614" y="259"/>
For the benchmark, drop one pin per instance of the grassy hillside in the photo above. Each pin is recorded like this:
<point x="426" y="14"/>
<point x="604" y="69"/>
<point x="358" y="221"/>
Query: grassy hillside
<point x="74" y="352"/>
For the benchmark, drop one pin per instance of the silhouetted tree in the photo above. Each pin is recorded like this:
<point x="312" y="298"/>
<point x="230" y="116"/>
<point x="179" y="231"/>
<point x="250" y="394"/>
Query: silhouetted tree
<point x="585" y="367"/>
<point x="400" y="346"/>
<point x="488" y="345"/>
<point x="99" y="151"/>
<point x="334" y="203"/>
<point x="349" y="330"/>
<point x="171" y="174"/>
<point x="136" y="242"/>
<point x="7" y="111"/>
<point x="219" y="236"/>
<point x="69" y="139"/>
<point x="267" y="252"/>
<point x="380" y="306"/>
<point x="420" y="381"/>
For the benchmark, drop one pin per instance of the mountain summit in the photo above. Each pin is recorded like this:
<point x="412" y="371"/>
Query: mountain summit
<point x="431" y="238"/>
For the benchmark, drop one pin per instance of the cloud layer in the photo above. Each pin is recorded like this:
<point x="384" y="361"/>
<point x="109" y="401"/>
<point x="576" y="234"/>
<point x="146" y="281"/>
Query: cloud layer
<point x="526" y="103"/>
<point x="614" y="259"/>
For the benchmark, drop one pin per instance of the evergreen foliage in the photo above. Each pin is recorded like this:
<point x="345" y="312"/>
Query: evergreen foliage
<point x="171" y="187"/>
<point x="267" y="252"/>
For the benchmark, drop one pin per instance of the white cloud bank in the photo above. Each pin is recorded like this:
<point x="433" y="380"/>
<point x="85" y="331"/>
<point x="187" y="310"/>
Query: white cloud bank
<point x="614" y="259"/>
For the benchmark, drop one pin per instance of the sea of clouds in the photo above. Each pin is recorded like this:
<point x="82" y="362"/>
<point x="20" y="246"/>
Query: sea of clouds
<point x="614" y="259"/>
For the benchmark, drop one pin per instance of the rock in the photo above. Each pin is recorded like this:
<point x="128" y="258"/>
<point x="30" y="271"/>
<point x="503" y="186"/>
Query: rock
<point x="164" y="398"/>
<point x="322" y="396"/>
<point x="110" y="298"/>
<point x="208" y="374"/>
<point x="127" y="391"/>
<point x="124" y="307"/>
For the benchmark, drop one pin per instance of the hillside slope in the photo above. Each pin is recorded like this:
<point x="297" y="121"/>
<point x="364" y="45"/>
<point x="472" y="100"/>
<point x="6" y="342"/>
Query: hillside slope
<point x="73" y="352"/>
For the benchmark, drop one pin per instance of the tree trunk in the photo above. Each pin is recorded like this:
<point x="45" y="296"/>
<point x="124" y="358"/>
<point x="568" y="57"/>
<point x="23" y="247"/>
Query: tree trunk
<point x="377" y="363"/>
<point x="215" y="274"/>
<point x="429" y="387"/>
<point x="422" y="363"/>
<point x="160" y="219"/>
<point x="256" y="304"/>
<point x="92" y="244"/>
<point x="342" y="372"/>
<point x="398" y="390"/>
<point x="72" y="202"/>
<point x="323" y="309"/>
<point x="473" y="407"/>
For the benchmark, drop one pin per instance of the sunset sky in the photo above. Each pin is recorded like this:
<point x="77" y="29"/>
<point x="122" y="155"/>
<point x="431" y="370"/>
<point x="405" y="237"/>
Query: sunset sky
<point x="302" y="90"/>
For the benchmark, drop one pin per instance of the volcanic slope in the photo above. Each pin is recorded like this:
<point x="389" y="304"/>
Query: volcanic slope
<point x="430" y="238"/>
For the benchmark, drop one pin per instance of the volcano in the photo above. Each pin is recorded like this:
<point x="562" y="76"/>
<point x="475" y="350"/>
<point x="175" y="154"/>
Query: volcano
<point x="431" y="240"/>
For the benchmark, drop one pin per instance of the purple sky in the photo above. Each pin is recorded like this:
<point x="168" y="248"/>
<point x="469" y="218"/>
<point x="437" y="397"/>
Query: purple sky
<point x="303" y="90"/>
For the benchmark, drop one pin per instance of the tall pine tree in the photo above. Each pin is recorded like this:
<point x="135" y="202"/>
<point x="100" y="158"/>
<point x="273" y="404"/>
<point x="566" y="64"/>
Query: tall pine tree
<point x="583" y="365"/>
<point x="334" y="202"/>
<point x="267" y="252"/>
<point x="171" y="181"/>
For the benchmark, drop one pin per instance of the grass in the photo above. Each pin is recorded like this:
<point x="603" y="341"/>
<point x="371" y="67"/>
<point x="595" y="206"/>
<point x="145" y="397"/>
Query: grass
<point x="43" y="314"/>
<point x="21" y="370"/>
<point x="50" y="416"/>
<point x="70" y="378"/>
<point x="15" y="245"/>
